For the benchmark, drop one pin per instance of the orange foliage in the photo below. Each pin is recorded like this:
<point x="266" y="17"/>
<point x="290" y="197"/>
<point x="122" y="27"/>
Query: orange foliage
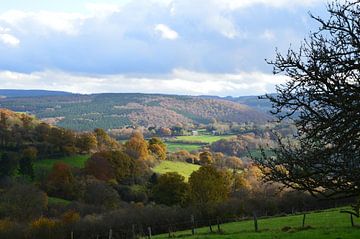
<point x="137" y="147"/>
<point x="70" y="217"/>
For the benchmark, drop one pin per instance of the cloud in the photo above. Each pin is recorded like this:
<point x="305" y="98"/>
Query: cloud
<point x="268" y="35"/>
<point x="145" y="45"/>
<point x="223" y="25"/>
<point x="102" y="9"/>
<point x="166" y="32"/>
<point x="63" y="22"/>
<point x="179" y="81"/>
<point x="241" y="4"/>
<point x="8" y="39"/>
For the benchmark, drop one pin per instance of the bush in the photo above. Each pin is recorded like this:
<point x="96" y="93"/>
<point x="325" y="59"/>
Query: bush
<point x="23" y="202"/>
<point x="45" y="228"/>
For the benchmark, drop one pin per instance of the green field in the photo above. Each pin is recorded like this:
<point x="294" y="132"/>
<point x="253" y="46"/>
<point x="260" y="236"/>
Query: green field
<point x="191" y="142"/>
<point x="203" y="138"/>
<point x="57" y="201"/>
<point x="320" y="225"/>
<point x="74" y="161"/>
<point x="175" y="147"/>
<point x="184" y="169"/>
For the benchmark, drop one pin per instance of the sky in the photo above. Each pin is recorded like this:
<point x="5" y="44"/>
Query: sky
<point x="188" y="47"/>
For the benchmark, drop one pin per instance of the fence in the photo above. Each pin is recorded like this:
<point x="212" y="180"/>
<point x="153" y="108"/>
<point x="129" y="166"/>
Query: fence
<point x="141" y="231"/>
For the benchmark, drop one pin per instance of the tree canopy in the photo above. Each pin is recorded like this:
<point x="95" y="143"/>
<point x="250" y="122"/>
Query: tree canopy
<point x="322" y="97"/>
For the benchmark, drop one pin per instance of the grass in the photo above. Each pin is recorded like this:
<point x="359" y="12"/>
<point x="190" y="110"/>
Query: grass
<point x="184" y="169"/>
<point x="74" y="161"/>
<point x="193" y="142"/>
<point x="319" y="225"/>
<point x="174" y="147"/>
<point x="57" y="201"/>
<point x="203" y="138"/>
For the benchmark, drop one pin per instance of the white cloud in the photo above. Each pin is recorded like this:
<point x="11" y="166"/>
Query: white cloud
<point x="57" y="21"/>
<point x="268" y="35"/>
<point x="102" y="9"/>
<point x="8" y="39"/>
<point x="238" y="4"/>
<point x="180" y="81"/>
<point x="166" y="32"/>
<point x="223" y="25"/>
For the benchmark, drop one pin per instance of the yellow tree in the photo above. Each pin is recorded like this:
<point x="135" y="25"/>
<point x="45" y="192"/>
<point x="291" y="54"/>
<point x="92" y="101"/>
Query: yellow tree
<point x="137" y="147"/>
<point x="208" y="186"/>
<point x="157" y="148"/>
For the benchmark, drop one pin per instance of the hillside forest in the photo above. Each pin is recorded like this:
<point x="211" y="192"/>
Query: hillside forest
<point x="46" y="193"/>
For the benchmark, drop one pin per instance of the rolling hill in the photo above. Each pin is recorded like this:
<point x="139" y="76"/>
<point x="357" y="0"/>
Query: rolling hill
<point x="9" y="93"/>
<point x="109" y="111"/>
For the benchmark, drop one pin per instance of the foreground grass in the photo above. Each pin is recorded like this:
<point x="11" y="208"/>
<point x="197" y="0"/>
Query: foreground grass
<point x="184" y="169"/>
<point x="319" y="225"/>
<point x="74" y="161"/>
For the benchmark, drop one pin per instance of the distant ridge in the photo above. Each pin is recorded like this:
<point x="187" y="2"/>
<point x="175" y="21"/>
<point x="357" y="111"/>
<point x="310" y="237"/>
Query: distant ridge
<point x="12" y="93"/>
<point x="116" y="110"/>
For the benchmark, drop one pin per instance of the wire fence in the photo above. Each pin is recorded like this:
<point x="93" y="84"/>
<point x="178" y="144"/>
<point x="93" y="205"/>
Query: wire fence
<point x="188" y="227"/>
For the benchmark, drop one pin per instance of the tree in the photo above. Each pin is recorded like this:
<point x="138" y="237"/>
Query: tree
<point x="61" y="181"/>
<point x="170" y="189"/>
<point x="99" y="193"/>
<point x="86" y="142"/>
<point x="104" y="141"/>
<point x="164" y="132"/>
<point x="124" y="166"/>
<point x="26" y="165"/>
<point x="100" y="166"/>
<point x="9" y="162"/>
<point x="208" y="187"/>
<point x="322" y="97"/>
<point x="205" y="158"/>
<point x="157" y="148"/>
<point x="44" y="228"/>
<point x="234" y="163"/>
<point x="117" y="165"/>
<point x="137" y="147"/>
<point x="4" y="129"/>
<point x="24" y="202"/>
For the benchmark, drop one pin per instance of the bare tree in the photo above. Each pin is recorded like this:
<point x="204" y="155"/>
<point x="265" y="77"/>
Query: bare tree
<point x="322" y="97"/>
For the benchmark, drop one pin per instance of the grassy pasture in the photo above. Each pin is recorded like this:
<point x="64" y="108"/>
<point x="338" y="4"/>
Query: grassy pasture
<point x="329" y="224"/>
<point x="74" y="161"/>
<point x="184" y="169"/>
<point x="203" y="138"/>
<point x="57" y="201"/>
<point x="174" y="147"/>
<point x="193" y="142"/>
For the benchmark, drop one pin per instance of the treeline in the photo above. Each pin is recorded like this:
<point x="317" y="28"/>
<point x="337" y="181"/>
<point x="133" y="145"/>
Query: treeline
<point x="23" y="139"/>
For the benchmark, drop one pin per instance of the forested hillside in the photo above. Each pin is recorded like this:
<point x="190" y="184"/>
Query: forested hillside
<point x="29" y="93"/>
<point x="109" y="111"/>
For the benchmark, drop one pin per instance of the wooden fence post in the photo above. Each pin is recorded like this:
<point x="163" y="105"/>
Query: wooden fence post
<point x="352" y="220"/>
<point x="72" y="235"/>
<point x="255" y="222"/>
<point x="149" y="232"/>
<point x="192" y="225"/>
<point x="110" y="233"/>
<point x="133" y="231"/>
<point x="303" y="221"/>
